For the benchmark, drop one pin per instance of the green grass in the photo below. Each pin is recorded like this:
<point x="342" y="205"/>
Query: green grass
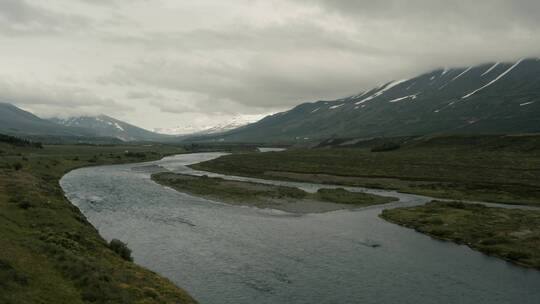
<point x="255" y="194"/>
<point x="49" y="252"/>
<point x="497" y="169"/>
<point x="511" y="234"/>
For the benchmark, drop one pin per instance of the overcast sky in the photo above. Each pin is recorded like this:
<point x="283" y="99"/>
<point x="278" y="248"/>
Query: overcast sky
<point x="165" y="63"/>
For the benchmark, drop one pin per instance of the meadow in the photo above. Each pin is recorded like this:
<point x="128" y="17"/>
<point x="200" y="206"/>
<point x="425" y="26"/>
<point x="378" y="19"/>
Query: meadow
<point x="503" y="169"/>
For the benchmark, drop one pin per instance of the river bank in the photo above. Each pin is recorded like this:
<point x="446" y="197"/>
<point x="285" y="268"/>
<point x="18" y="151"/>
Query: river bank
<point x="50" y="252"/>
<point x="509" y="234"/>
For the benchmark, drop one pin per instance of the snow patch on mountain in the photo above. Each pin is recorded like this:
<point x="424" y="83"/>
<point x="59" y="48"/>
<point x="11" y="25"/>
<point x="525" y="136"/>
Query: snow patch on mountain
<point x="462" y="73"/>
<point x="412" y="97"/>
<point x="382" y="91"/>
<point x="493" y="81"/>
<point x="118" y="126"/>
<point x="490" y="69"/>
<point x="336" y="106"/>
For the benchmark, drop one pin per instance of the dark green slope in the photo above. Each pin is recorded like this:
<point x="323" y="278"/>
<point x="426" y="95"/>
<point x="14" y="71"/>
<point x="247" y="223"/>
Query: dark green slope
<point x="484" y="99"/>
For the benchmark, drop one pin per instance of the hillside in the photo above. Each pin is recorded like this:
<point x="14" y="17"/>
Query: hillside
<point x="106" y="126"/>
<point x="16" y="121"/>
<point x="50" y="252"/>
<point x="485" y="99"/>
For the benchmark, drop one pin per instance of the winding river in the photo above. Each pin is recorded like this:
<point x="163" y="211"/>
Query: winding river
<point x="232" y="254"/>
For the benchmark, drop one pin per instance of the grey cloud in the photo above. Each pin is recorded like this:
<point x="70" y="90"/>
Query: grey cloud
<point x="56" y="99"/>
<point x="452" y="13"/>
<point x="280" y="65"/>
<point x="19" y="17"/>
<point x="192" y="57"/>
<point x="276" y="38"/>
<point x="267" y="83"/>
<point x="142" y="95"/>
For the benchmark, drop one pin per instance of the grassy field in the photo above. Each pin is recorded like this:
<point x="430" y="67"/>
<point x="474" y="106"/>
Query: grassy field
<point x="49" y="253"/>
<point x="504" y="169"/>
<point x="511" y="234"/>
<point x="262" y="195"/>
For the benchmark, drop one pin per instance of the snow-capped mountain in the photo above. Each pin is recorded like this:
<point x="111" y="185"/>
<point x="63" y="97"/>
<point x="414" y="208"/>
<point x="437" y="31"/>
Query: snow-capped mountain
<point x="16" y="121"/>
<point x="498" y="97"/>
<point x="236" y="122"/>
<point x="106" y="126"/>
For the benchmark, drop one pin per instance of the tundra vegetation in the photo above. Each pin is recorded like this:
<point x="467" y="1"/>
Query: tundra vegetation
<point x="502" y="169"/>
<point x="49" y="252"/>
<point x="510" y="234"/>
<point x="265" y="195"/>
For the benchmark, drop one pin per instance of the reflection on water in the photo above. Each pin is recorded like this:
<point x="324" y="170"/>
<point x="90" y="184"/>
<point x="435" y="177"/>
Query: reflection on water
<point x="232" y="254"/>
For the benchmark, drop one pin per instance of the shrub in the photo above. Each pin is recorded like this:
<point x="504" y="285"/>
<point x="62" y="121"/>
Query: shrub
<point x="25" y="205"/>
<point x="135" y="154"/>
<point x="121" y="249"/>
<point x="9" y="275"/>
<point x="517" y="255"/>
<point x="388" y="146"/>
<point x="17" y="166"/>
<point x="19" y="142"/>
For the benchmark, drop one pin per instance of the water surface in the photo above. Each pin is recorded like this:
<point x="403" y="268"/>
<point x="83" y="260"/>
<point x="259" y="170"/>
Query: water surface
<point x="233" y="254"/>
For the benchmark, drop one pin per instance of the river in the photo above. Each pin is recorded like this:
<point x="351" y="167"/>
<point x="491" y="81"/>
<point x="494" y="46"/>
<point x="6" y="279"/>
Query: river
<point x="233" y="254"/>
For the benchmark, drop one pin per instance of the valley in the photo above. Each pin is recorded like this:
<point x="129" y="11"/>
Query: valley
<point x="269" y="152"/>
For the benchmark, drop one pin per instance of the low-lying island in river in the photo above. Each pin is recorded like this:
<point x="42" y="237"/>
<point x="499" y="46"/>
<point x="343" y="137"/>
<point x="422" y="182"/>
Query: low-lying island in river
<point x="283" y="198"/>
<point x="511" y="234"/>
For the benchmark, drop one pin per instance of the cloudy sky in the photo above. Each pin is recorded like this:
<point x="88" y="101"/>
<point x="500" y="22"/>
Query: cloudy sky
<point x="167" y="63"/>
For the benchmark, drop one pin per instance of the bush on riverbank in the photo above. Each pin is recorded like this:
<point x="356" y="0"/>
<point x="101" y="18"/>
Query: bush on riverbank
<point x="121" y="249"/>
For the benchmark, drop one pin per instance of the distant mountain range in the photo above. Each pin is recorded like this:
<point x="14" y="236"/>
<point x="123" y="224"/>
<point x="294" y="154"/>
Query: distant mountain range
<point x="236" y="122"/>
<point x="493" y="98"/>
<point x="16" y="121"/>
<point x="485" y="99"/>
<point x="105" y="126"/>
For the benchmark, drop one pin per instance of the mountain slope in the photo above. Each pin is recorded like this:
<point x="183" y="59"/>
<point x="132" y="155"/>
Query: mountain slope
<point x="106" y="126"/>
<point x="16" y="121"/>
<point x="485" y="99"/>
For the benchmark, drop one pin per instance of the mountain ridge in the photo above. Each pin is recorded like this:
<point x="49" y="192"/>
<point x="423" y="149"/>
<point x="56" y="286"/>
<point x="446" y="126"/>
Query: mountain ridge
<point x="488" y="98"/>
